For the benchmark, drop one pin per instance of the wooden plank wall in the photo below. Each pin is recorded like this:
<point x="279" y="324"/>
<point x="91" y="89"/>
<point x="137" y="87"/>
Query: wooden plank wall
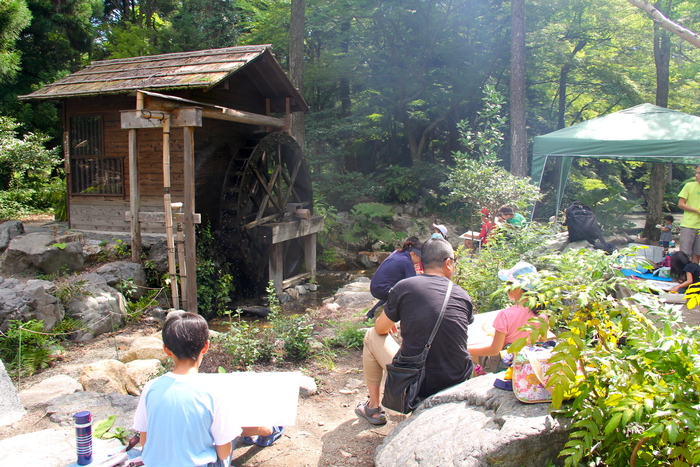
<point x="215" y="143"/>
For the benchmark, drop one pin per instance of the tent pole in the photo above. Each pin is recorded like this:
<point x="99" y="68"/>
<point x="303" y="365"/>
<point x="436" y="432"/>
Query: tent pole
<point x="559" y="195"/>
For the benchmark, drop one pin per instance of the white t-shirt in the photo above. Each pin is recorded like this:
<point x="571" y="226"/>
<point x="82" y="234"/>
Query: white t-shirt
<point x="183" y="422"/>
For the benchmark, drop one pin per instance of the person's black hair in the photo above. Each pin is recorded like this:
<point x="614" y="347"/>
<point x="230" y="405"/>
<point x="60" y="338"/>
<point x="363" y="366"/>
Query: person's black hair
<point x="679" y="260"/>
<point x="505" y="209"/>
<point x="185" y="334"/>
<point x="410" y="243"/>
<point x="435" y="251"/>
<point x="668" y="218"/>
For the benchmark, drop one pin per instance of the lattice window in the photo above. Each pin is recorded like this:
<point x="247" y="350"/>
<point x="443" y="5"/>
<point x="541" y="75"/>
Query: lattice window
<point x="91" y="172"/>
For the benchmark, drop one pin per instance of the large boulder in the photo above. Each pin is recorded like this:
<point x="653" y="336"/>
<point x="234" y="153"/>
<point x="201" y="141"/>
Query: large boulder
<point x="11" y="408"/>
<point x="98" y="306"/>
<point x="145" y="348"/>
<point x="8" y="231"/>
<point x="101" y="406"/>
<point x="40" y="253"/>
<point x="29" y="300"/>
<point x="49" y="448"/>
<point x="474" y="424"/>
<point x="355" y="295"/>
<point x="107" y="376"/>
<point x="118" y="272"/>
<point x="44" y="392"/>
<point x="142" y="371"/>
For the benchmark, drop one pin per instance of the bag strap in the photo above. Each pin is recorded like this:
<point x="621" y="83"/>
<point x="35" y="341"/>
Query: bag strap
<point x="536" y="365"/>
<point x="442" y="314"/>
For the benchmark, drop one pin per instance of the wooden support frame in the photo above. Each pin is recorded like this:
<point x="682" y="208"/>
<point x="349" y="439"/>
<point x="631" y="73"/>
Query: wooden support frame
<point x="188" y="226"/>
<point x="282" y="232"/>
<point x="134" y="196"/>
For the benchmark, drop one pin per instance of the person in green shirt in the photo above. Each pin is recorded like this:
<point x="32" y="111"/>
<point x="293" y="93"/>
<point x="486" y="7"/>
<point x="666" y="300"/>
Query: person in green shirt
<point x="689" y="202"/>
<point x="508" y="215"/>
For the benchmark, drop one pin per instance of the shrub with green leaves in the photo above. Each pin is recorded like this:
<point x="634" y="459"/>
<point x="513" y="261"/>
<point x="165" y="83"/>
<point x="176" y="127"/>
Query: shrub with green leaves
<point x="214" y="284"/>
<point x="368" y="227"/>
<point x="26" y="347"/>
<point x="630" y="367"/>
<point x="478" y="274"/>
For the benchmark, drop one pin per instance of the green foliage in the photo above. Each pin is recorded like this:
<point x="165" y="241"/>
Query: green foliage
<point x="246" y="344"/>
<point x="135" y="310"/>
<point x="341" y="190"/>
<point x="26" y="348"/>
<point x="121" y="249"/>
<point x="367" y="227"/>
<point x="349" y="335"/>
<point x="295" y="331"/>
<point x="214" y="283"/>
<point x="478" y="274"/>
<point x="102" y="428"/>
<point x="67" y="289"/>
<point x="632" y="374"/>
<point x="477" y="177"/>
<point x="14" y="16"/>
<point x="399" y="185"/>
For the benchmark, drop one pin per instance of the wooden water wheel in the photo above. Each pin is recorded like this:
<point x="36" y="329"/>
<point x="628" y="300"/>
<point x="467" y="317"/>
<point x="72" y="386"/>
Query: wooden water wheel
<point x="267" y="174"/>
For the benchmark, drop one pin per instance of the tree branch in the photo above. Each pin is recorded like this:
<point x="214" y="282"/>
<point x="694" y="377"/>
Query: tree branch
<point x="677" y="29"/>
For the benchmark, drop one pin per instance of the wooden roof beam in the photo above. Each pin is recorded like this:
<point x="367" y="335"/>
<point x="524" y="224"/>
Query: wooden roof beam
<point x="163" y="102"/>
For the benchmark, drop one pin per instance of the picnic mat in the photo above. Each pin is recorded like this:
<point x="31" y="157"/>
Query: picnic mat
<point x="645" y="274"/>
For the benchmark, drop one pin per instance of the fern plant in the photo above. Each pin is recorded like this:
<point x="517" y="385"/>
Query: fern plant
<point x="26" y="347"/>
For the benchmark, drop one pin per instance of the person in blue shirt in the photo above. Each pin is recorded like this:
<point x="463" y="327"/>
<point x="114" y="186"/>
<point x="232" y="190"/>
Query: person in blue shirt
<point x="399" y="265"/>
<point x="179" y="419"/>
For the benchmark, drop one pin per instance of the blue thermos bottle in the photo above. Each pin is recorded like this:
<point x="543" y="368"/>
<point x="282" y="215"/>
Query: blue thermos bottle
<point x="83" y="437"/>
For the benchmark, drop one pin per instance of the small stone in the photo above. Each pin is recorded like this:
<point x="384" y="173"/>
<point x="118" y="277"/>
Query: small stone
<point x="321" y="423"/>
<point x="346" y="454"/>
<point x="312" y="287"/>
<point x="345" y="405"/>
<point x="347" y="391"/>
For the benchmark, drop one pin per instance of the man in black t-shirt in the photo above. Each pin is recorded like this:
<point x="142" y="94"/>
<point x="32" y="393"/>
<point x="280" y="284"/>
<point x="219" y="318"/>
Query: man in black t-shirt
<point x="416" y="302"/>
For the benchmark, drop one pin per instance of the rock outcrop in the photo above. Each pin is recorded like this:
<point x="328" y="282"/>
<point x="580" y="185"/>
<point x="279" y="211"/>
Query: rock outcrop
<point x="33" y="299"/>
<point x="41" y="253"/>
<point x="474" y="424"/>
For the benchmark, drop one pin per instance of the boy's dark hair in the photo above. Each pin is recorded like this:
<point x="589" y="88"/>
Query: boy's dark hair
<point x="668" y="218"/>
<point x="436" y="251"/>
<point x="505" y="210"/>
<point x="185" y="334"/>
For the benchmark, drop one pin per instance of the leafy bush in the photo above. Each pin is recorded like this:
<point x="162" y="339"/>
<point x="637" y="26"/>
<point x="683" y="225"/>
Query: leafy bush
<point x="632" y="374"/>
<point x="26" y="347"/>
<point x="478" y="274"/>
<point x="295" y="331"/>
<point x="214" y="284"/>
<point x="350" y="335"/>
<point x="367" y="227"/>
<point x="341" y="190"/>
<point x="477" y="178"/>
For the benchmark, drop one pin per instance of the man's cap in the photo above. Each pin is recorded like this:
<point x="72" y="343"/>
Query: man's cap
<point x="441" y="228"/>
<point x="516" y="275"/>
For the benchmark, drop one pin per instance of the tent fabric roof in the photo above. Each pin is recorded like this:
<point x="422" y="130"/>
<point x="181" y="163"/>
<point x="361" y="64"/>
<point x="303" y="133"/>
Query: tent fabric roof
<point x="645" y="132"/>
<point x="201" y="69"/>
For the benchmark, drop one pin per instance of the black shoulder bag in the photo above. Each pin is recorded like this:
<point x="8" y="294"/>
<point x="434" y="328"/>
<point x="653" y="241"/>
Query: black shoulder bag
<point x="404" y="375"/>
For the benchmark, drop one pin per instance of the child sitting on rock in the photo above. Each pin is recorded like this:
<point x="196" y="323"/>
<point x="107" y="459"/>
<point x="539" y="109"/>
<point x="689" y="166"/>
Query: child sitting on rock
<point x="509" y="320"/>
<point x="179" y="419"/>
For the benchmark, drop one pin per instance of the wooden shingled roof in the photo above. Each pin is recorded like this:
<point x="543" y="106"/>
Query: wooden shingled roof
<point x="201" y="69"/>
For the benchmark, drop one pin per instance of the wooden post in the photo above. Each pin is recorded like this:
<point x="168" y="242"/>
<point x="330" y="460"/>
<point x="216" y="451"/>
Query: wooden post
<point x="134" y="196"/>
<point x="167" y="204"/>
<point x="310" y="253"/>
<point x="276" y="266"/>
<point x="190" y="241"/>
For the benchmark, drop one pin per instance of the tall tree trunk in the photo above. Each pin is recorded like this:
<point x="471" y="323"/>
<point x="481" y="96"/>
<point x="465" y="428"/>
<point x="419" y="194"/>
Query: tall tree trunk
<point x="296" y="65"/>
<point x="518" y="136"/>
<point x="657" y="175"/>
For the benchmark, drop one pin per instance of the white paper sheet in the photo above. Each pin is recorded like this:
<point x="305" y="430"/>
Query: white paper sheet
<point x="258" y="399"/>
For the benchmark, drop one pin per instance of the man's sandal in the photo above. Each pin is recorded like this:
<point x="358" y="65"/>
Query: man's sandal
<point x="366" y="412"/>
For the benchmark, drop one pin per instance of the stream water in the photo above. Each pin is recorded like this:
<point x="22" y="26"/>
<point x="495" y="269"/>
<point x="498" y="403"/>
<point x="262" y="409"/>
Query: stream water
<point x="328" y="284"/>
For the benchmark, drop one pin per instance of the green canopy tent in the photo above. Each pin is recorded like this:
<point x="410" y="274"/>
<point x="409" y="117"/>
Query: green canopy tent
<point x="645" y="132"/>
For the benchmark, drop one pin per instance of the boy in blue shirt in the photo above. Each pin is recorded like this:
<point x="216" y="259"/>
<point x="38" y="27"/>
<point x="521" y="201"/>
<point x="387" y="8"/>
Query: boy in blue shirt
<point x="179" y="419"/>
